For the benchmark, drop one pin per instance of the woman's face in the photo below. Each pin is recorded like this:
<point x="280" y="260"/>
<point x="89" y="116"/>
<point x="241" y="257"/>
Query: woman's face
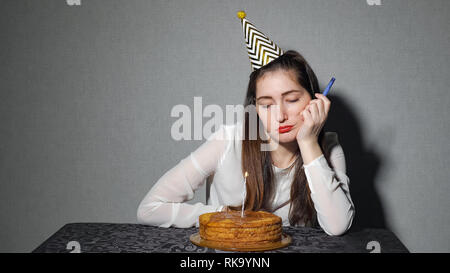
<point x="280" y="99"/>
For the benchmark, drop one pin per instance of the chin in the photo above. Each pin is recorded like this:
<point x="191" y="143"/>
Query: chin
<point x="286" y="137"/>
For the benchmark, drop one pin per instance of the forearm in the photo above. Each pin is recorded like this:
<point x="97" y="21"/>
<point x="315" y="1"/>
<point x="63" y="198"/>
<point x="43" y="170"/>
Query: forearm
<point x="164" y="214"/>
<point x="331" y="197"/>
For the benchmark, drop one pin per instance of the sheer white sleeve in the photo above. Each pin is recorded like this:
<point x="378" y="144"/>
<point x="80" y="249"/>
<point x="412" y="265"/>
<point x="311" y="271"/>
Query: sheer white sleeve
<point x="330" y="192"/>
<point x="164" y="204"/>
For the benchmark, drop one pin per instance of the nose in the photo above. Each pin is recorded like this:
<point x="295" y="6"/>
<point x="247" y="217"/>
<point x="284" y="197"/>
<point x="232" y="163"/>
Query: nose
<point x="281" y="114"/>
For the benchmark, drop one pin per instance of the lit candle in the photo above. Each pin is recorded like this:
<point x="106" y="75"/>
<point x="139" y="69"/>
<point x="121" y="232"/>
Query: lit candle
<point x="244" y="193"/>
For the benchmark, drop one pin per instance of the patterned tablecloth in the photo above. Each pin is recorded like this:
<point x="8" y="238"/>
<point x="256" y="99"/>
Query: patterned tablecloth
<point x="104" y="237"/>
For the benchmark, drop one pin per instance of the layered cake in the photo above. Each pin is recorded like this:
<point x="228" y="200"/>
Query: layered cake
<point x="231" y="230"/>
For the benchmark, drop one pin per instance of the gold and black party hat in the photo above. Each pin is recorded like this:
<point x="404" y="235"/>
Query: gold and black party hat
<point x="261" y="50"/>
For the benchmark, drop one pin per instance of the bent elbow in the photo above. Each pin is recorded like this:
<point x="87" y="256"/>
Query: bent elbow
<point x="145" y="215"/>
<point x="142" y="215"/>
<point x="338" y="228"/>
<point x="150" y="214"/>
<point x="335" y="230"/>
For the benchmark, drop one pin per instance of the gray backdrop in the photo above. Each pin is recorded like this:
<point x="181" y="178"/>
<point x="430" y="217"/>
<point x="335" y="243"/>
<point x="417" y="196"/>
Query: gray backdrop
<point x="86" y="95"/>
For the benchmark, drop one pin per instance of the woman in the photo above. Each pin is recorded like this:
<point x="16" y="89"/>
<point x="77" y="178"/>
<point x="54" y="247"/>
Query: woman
<point x="302" y="178"/>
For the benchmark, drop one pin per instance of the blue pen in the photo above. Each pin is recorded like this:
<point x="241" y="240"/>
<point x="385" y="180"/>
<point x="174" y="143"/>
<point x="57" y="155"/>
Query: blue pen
<point x="327" y="89"/>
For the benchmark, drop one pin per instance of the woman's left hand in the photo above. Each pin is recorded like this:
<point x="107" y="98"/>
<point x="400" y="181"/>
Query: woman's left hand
<point x="314" y="116"/>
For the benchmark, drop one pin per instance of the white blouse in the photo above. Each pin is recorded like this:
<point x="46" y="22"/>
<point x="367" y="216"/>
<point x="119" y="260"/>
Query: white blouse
<point x="219" y="159"/>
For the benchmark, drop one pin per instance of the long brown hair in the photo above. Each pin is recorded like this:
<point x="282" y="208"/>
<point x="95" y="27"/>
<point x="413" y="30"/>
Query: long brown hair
<point x="260" y="186"/>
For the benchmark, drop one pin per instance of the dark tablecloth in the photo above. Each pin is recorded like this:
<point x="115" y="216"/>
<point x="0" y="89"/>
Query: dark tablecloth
<point x="105" y="237"/>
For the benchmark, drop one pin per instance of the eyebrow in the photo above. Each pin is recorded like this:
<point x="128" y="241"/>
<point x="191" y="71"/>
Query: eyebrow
<point x="283" y="94"/>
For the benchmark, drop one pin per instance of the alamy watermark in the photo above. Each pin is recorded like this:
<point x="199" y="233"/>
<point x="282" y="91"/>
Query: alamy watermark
<point x="374" y="246"/>
<point x="74" y="246"/>
<point x="73" y="2"/>
<point x="183" y="129"/>
<point x="373" y="2"/>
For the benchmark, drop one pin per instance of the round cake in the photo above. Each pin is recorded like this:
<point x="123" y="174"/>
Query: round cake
<point x="230" y="229"/>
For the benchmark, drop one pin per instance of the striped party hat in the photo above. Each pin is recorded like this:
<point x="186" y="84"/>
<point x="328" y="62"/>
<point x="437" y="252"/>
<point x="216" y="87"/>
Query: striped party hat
<point x="261" y="50"/>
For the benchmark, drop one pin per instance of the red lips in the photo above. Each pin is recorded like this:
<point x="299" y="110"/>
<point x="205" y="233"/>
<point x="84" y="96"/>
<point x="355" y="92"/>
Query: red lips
<point x="285" y="129"/>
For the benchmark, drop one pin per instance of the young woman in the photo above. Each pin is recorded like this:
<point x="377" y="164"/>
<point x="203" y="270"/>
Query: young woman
<point x="302" y="179"/>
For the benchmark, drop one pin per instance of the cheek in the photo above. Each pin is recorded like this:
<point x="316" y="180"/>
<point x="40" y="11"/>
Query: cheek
<point x="297" y="116"/>
<point x="297" y="112"/>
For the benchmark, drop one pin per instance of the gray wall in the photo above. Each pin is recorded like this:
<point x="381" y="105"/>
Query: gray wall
<point x="86" y="94"/>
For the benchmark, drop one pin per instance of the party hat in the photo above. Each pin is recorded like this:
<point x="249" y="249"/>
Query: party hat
<point x="261" y="50"/>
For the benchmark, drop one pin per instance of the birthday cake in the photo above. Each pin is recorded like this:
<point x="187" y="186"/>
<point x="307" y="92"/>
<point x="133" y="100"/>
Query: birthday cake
<point x="230" y="229"/>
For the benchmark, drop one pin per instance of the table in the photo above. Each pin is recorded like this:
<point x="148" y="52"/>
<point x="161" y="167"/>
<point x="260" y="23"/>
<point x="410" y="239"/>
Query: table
<point x="107" y="237"/>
